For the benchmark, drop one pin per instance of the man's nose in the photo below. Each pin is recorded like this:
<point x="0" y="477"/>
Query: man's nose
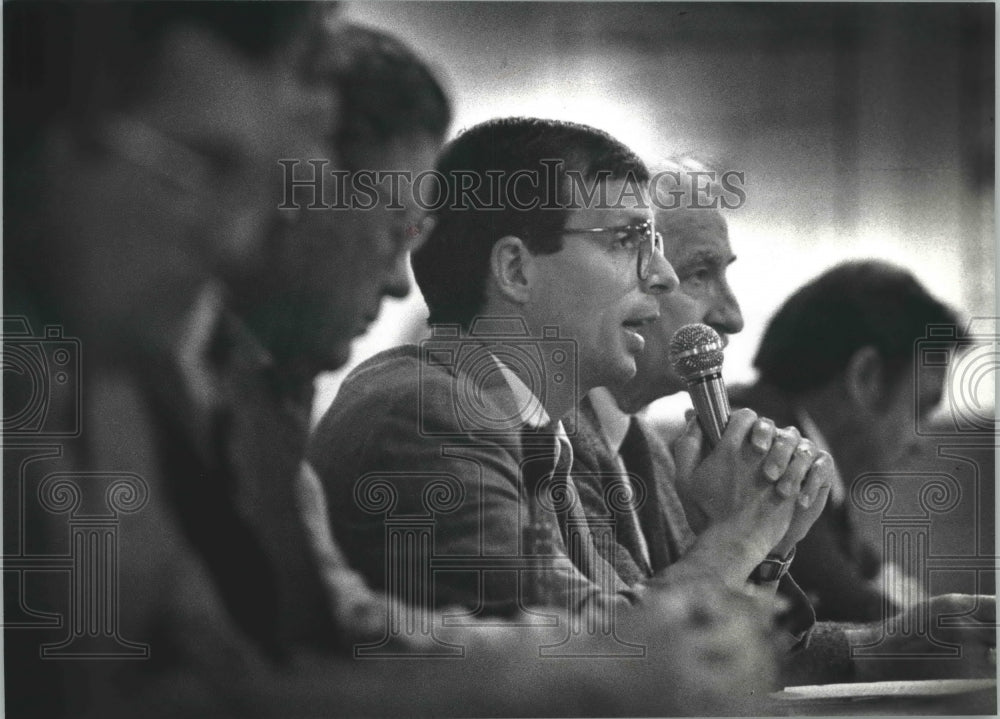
<point x="662" y="278"/>
<point x="397" y="280"/>
<point x="725" y="316"/>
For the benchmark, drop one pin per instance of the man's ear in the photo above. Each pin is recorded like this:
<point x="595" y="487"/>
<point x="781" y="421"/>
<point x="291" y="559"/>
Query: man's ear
<point x="864" y="378"/>
<point x="512" y="266"/>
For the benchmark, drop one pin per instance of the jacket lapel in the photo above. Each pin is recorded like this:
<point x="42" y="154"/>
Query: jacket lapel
<point x="594" y="467"/>
<point x="674" y="534"/>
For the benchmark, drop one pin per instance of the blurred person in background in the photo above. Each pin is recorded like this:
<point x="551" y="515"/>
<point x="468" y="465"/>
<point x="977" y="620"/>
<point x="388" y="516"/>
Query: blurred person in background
<point x="839" y="360"/>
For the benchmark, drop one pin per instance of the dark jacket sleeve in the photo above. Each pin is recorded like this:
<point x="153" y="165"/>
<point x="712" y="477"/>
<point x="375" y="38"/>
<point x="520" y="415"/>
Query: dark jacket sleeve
<point x="832" y="564"/>
<point x="825" y="660"/>
<point x="836" y="570"/>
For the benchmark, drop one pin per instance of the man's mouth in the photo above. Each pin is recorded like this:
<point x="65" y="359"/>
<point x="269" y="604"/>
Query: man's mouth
<point x="636" y="324"/>
<point x="633" y="328"/>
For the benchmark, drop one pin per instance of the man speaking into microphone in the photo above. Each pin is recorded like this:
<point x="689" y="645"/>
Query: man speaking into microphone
<point x="709" y="498"/>
<point x="729" y="508"/>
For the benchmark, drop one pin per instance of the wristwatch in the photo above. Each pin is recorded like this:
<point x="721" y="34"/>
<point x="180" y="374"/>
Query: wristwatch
<point x="772" y="569"/>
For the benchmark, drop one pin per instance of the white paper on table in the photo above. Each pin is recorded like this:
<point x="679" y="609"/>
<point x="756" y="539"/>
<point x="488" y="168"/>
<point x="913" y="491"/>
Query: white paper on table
<point x="910" y="688"/>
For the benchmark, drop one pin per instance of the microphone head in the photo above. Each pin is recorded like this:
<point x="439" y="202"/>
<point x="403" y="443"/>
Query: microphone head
<point x="695" y="352"/>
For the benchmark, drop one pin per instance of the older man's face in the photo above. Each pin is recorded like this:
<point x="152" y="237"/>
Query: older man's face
<point x="696" y="243"/>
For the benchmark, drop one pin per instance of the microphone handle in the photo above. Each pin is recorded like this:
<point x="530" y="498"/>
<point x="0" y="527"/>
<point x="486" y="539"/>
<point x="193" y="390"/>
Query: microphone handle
<point x="711" y="402"/>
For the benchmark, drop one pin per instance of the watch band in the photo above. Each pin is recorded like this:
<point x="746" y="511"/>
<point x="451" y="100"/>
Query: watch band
<point x="772" y="569"/>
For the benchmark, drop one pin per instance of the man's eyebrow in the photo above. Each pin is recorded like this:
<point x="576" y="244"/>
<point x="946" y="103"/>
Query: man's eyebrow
<point x="707" y="256"/>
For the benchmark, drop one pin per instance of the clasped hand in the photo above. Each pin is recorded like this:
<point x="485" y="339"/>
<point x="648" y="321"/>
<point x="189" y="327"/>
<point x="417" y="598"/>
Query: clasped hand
<point x="770" y="484"/>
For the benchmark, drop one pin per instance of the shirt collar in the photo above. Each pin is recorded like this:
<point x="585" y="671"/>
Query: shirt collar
<point x="614" y="423"/>
<point x="531" y="412"/>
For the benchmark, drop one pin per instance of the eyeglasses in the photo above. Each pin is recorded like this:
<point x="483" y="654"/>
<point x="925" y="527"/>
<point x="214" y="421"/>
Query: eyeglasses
<point x="641" y="236"/>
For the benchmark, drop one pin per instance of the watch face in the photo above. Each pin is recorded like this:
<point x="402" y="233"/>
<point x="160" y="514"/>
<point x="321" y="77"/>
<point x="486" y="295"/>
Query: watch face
<point x="770" y="570"/>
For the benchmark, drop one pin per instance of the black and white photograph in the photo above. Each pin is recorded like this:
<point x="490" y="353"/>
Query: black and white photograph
<point x="461" y="358"/>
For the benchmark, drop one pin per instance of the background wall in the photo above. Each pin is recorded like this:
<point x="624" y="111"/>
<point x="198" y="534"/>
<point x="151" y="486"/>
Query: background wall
<point x="864" y="130"/>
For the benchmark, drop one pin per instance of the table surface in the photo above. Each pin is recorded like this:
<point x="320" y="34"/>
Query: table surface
<point x="939" y="697"/>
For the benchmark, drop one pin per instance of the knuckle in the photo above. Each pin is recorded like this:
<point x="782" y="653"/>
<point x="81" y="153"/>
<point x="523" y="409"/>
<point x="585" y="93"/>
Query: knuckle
<point x="766" y="423"/>
<point x="785" y="435"/>
<point x="824" y="464"/>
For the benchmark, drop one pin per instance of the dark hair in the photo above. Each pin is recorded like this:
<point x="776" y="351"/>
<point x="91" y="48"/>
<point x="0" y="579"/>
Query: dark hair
<point x="812" y="337"/>
<point x="386" y="91"/>
<point x="452" y="266"/>
<point x="61" y="59"/>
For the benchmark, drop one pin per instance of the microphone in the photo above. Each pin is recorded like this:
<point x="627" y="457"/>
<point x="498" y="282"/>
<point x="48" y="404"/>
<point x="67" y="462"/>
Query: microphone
<point x="696" y="356"/>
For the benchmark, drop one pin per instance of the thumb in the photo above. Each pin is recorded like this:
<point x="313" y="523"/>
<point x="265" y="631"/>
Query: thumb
<point x="688" y="447"/>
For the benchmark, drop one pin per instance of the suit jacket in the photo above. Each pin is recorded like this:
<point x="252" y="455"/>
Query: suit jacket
<point x="401" y="456"/>
<point x="661" y="516"/>
<point x="832" y="563"/>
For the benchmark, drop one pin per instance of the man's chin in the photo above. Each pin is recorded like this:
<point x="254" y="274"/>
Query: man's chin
<point x="337" y="357"/>
<point x="620" y="374"/>
<point x="330" y="359"/>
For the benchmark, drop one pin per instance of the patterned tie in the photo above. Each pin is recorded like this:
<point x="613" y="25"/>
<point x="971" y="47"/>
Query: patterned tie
<point x="638" y="535"/>
<point x="640" y="487"/>
<point x="548" y="458"/>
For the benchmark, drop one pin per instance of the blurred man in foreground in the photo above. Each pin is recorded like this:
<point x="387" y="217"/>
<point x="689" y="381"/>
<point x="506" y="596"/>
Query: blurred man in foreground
<point x="140" y="160"/>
